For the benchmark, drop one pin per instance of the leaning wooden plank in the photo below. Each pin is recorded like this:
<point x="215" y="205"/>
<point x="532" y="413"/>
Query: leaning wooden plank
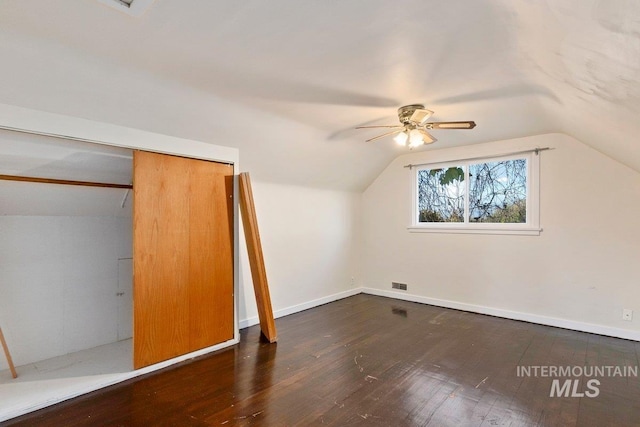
<point x="14" y="374"/>
<point x="256" y="259"/>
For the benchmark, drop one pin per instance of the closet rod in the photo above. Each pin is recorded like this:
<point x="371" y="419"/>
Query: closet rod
<point x="63" y="182"/>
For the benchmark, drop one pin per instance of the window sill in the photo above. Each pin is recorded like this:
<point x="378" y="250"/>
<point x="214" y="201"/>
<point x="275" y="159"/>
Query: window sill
<point x="531" y="231"/>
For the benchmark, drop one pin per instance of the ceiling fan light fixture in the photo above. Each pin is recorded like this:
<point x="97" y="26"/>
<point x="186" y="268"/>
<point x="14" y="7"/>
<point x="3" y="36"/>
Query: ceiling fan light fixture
<point x="401" y="138"/>
<point x="415" y="138"/>
<point x="413" y="127"/>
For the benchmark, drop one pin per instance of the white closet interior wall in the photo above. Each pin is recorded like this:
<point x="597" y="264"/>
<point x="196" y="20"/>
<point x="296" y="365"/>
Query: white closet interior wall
<point x="65" y="251"/>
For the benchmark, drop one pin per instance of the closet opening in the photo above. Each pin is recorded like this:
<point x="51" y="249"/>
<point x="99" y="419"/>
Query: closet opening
<point x="75" y="312"/>
<point x="65" y="258"/>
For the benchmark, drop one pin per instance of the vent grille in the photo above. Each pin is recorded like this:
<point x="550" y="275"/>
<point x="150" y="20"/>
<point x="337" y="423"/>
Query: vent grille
<point x="400" y="286"/>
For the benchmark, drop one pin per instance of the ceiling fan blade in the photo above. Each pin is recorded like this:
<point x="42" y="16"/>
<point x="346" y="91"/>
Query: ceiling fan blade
<point x="351" y="131"/>
<point x="420" y="116"/>
<point x="427" y="137"/>
<point x="384" y="134"/>
<point x="450" y="125"/>
<point x="381" y="126"/>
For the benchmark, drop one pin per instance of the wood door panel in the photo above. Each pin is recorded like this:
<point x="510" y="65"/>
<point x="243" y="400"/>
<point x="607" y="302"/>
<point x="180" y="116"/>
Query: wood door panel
<point x="183" y="277"/>
<point x="211" y="272"/>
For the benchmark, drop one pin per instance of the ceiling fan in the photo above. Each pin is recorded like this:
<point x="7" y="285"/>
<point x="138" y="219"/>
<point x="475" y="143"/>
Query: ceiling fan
<point x="414" y="126"/>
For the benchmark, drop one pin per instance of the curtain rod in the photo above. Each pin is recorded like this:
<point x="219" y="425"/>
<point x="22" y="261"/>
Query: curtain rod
<point x="534" y="150"/>
<point x="63" y="182"/>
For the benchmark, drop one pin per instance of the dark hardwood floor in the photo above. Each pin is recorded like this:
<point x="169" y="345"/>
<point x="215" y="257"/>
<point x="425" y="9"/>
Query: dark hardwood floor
<point x="368" y="360"/>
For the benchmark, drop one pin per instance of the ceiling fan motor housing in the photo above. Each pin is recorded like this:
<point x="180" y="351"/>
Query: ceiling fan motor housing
<point x="405" y="112"/>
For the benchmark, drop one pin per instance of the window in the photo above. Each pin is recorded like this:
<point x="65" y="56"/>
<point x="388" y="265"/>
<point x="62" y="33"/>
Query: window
<point x="493" y="195"/>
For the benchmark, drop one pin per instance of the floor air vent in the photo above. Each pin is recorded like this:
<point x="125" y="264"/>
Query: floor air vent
<point x="400" y="286"/>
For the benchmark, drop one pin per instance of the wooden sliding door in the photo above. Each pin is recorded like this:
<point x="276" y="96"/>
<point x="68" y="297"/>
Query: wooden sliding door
<point x="183" y="256"/>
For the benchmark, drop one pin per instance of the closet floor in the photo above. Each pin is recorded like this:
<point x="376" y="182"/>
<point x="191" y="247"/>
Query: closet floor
<point x="71" y="374"/>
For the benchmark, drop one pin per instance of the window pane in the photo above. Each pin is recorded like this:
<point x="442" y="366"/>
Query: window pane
<point x="498" y="191"/>
<point x="441" y="195"/>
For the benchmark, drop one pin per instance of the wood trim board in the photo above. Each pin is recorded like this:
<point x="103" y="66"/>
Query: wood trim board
<point x="256" y="259"/>
<point x="14" y="374"/>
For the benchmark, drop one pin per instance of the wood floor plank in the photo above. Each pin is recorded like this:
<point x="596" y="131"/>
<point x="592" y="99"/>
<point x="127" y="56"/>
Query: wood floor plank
<point x="369" y="360"/>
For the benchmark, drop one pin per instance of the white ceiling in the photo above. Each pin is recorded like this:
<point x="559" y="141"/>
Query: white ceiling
<point x="286" y="81"/>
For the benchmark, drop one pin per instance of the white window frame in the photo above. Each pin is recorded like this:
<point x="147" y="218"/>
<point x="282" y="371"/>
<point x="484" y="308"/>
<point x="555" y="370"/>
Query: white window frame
<point x="531" y="227"/>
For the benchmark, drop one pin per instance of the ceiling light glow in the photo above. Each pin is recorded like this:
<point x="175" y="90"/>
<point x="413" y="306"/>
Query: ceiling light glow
<point x="401" y="138"/>
<point x="415" y="138"/>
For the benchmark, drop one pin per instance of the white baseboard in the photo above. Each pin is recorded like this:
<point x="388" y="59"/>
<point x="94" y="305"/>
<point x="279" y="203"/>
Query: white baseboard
<point x="508" y="314"/>
<point x="245" y="323"/>
<point x="492" y="311"/>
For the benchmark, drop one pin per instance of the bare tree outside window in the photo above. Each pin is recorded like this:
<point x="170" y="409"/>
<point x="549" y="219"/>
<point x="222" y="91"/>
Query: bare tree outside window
<point x="441" y="195"/>
<point x="497" y="193"/>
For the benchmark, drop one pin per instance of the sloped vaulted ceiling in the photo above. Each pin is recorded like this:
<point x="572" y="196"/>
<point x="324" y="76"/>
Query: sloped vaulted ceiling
<point x="286" y="81"/>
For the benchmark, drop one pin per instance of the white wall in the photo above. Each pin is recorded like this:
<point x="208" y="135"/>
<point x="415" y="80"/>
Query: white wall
<point x="59" y="282"/>
<point x="310" y="241"/>
<point x="583" y="268"/>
